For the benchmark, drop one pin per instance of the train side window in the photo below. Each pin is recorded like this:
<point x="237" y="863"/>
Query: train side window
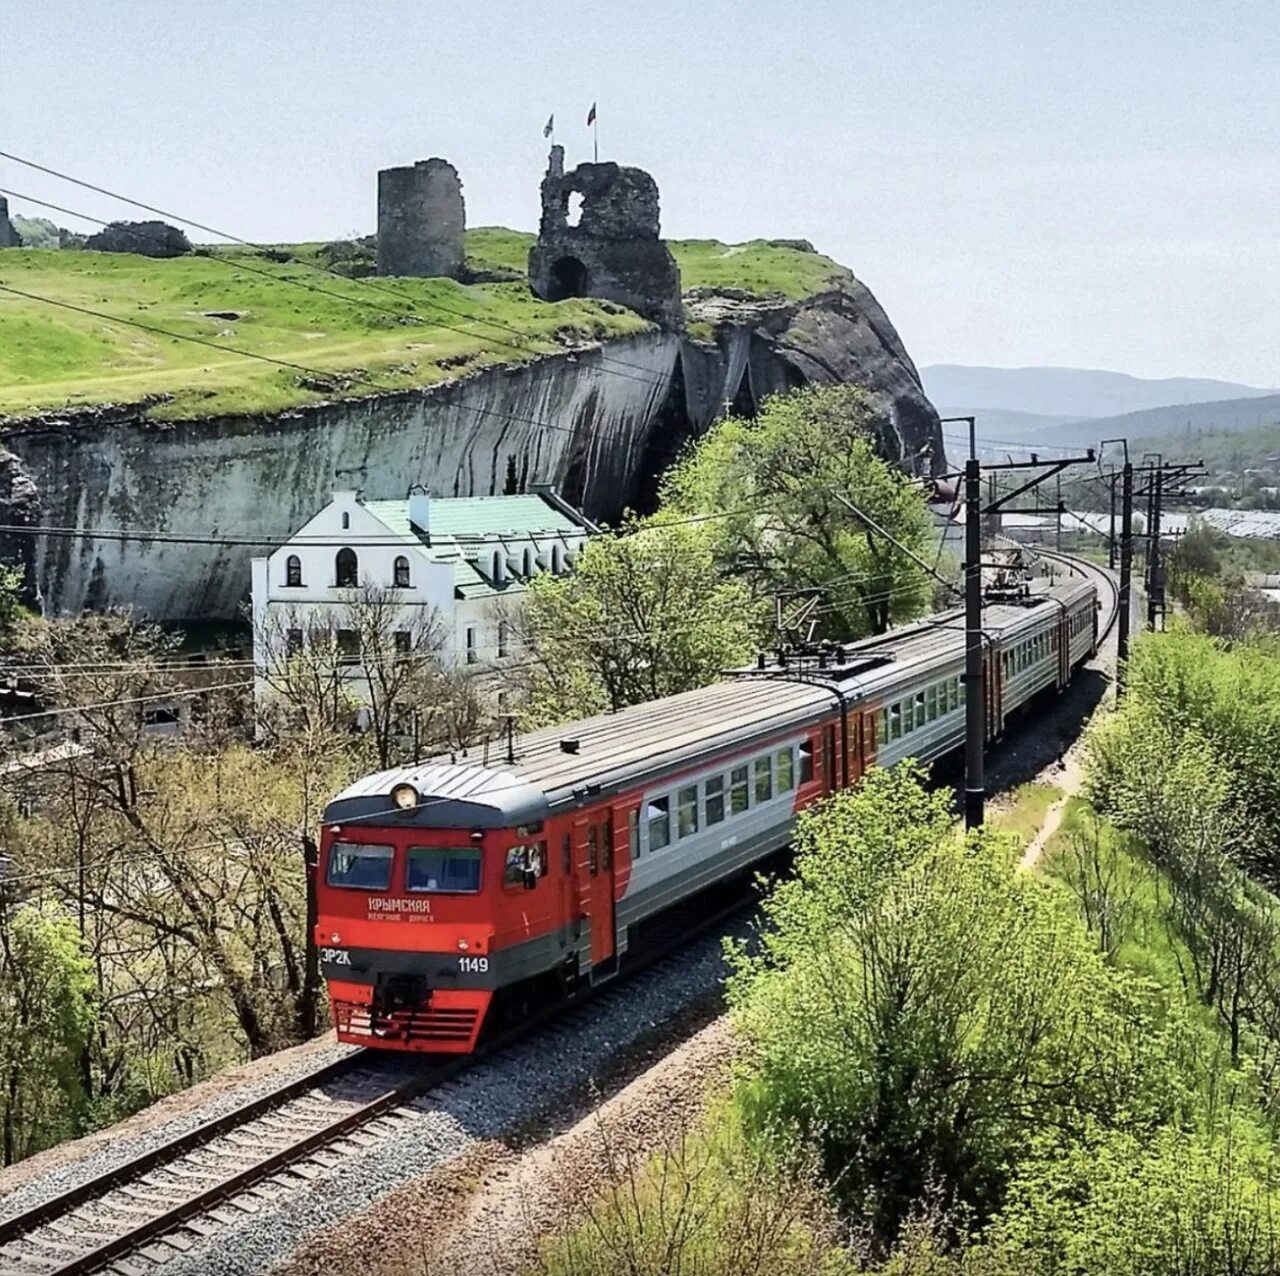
<point x="687" y="810"/>
<point x="360" y="866"/>
<point x="964" y="691"/>
<point x="786" y="763"/>
<point x="659" y="815"/>
<point x="895" y="722"/>
<point x="739" y="790"/>
<point x="806" y="759"/>
<point x="953" y="694"/>
<point x="714" y="794"/>
<point x="764" y="779"/>
<point x="882" y="726"/>
<point x="633" y="832"/>
<point x="920" y="713"/>
<point x="593" y="850"/>
<point x="566" y="852"/>
<point x="907" y="708"/>
<point x="931" y="703"/>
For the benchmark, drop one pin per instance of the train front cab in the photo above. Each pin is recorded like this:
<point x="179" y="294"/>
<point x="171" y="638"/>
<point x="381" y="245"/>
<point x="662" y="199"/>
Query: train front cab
<point x="405" y="936"/>
<point x="420" y="930"/>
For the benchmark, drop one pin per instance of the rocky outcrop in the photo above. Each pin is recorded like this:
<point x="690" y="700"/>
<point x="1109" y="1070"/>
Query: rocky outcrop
<point x="9" y="237"/>
<point x="149" y="239"/>
<point x="421" y="220"/>
<point x="600" y="423"/>
<point x="613" y="251"/>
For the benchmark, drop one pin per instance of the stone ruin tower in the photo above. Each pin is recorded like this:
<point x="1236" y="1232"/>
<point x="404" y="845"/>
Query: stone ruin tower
<point x="9" y="237"/>
<point x="614" y="251"/>
<point x="421" y="219"/>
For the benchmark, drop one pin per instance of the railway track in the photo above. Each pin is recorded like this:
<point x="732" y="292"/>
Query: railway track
<point x="184" y="1189"/>
<point x="1108" y="588"/>
<point x="131" y="1219"/>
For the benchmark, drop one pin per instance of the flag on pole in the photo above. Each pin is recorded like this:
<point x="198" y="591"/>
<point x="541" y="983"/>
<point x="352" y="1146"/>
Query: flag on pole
<point x="591" y="114"/>
<point x="550" y="126"/>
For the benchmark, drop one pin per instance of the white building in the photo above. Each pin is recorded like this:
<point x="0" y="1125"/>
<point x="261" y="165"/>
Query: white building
<point x="456" y="564"/>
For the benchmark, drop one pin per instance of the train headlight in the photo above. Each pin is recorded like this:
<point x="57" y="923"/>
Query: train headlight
<point x="335" y="938"/>
<point x="404" y="796"/>
<point x="463" y="945"/>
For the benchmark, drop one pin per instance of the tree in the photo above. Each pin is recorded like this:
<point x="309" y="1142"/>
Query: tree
<point x="644" y="614"/>
<point x="921" y="1012"/>
<point x="46" y="1013"/>
<point x="774" y="485"/>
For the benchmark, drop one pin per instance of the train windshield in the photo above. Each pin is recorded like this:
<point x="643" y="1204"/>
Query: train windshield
<point x="360" y="865"/>
<point x="452" y="870"/>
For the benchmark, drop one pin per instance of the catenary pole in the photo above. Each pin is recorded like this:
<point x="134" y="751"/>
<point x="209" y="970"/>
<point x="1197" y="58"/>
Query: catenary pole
<point x="1126" y="573"/>
<point x="1155" y="587"/>
<point x="975" y="716"/>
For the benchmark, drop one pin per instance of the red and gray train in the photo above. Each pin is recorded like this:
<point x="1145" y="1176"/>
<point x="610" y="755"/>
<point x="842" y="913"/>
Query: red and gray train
<point x="448" y="889"/>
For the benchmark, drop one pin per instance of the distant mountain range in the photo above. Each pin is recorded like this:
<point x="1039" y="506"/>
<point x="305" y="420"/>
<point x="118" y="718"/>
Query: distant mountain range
<point x="1067" y="394"/>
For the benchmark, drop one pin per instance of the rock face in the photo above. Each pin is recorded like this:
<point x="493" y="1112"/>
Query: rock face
<point x="421" y="219"/>
<point x="599" y="423"/>
<point x="9" y="237"/>
<point x="150" y="239"/>
<point x="613" y="251"/>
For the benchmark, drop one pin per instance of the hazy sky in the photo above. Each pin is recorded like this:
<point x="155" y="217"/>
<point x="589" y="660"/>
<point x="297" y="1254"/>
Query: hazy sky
<point x="1082" y="183"/>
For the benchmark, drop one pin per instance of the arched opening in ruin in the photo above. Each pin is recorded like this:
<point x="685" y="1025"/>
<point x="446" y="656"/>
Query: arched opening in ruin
<point x="568" y="279"/>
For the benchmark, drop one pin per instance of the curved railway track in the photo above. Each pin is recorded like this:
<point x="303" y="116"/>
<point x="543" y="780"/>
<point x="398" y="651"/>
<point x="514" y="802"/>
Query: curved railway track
<point x="1108" y="586"/>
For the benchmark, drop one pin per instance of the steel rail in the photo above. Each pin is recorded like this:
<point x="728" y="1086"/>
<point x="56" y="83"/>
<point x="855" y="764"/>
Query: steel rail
<point x="13" y="1228"/>
<point x="238" y="1181"/>
<point x="1097" y="570"/>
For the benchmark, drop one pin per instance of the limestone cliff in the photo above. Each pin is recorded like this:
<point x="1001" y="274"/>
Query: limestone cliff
<point x="600" y="423"/>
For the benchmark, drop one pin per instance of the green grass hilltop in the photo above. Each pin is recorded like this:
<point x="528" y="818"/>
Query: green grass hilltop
<point x="408" y="331"/>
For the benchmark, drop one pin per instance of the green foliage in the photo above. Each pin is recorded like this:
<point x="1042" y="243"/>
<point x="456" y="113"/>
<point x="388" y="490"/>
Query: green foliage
<point x="642" y="615"/>
<point x="776" y="482"/>
<point x="46" y="1013"/>
<point x="1191" y="753"/>
<point x="921" y="1012"/>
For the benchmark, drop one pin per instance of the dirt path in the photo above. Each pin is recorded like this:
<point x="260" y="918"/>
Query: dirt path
<point x="1069" y="778"/>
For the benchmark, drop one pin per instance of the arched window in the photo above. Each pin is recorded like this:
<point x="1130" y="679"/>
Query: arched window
<point x="346" y="520"/>
<point x="401" y="577"/>
<point x="346" y="570"/>
<point x="293" y="572"/>
<point x="498" y="570"/>
<point x="557" y="559"/>
<point x="528" y="564"/>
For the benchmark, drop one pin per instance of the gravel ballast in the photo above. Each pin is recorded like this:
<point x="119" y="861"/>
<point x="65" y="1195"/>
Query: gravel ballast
<point x="486" y="1101"/>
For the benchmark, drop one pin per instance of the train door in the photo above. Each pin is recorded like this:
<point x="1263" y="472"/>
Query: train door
<point x="595" y="864"/>
<point x="994" y="686"/>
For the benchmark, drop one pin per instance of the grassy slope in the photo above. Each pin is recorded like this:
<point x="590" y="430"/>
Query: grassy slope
<point x="55" y="358"/>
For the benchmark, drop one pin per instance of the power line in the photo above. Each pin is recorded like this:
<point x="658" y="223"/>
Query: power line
<point x="355" y="542"/>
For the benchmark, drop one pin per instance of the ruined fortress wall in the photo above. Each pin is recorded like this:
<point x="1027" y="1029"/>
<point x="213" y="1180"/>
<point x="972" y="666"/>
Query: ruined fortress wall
<point x="421" y="219"/>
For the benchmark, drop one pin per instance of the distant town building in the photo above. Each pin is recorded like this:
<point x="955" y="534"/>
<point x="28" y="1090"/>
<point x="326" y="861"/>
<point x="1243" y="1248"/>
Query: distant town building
<point x="452" y="568"/>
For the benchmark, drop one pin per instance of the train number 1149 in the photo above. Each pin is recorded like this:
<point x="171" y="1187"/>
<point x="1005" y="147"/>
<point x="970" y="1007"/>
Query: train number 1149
<point x="473" y="965"/>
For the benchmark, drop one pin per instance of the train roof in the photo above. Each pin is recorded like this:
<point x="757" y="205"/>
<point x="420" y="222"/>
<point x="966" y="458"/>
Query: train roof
<point x="559" y="767"/>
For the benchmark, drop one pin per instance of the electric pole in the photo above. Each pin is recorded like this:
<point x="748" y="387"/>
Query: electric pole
<point x="975" y="684"/>
<point x="1126" y="569"/>
<point x="1155" y="583"/>
<point x="974" y="653"/>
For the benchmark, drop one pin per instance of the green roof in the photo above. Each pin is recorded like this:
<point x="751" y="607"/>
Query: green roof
<point x="458" y="520"/>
